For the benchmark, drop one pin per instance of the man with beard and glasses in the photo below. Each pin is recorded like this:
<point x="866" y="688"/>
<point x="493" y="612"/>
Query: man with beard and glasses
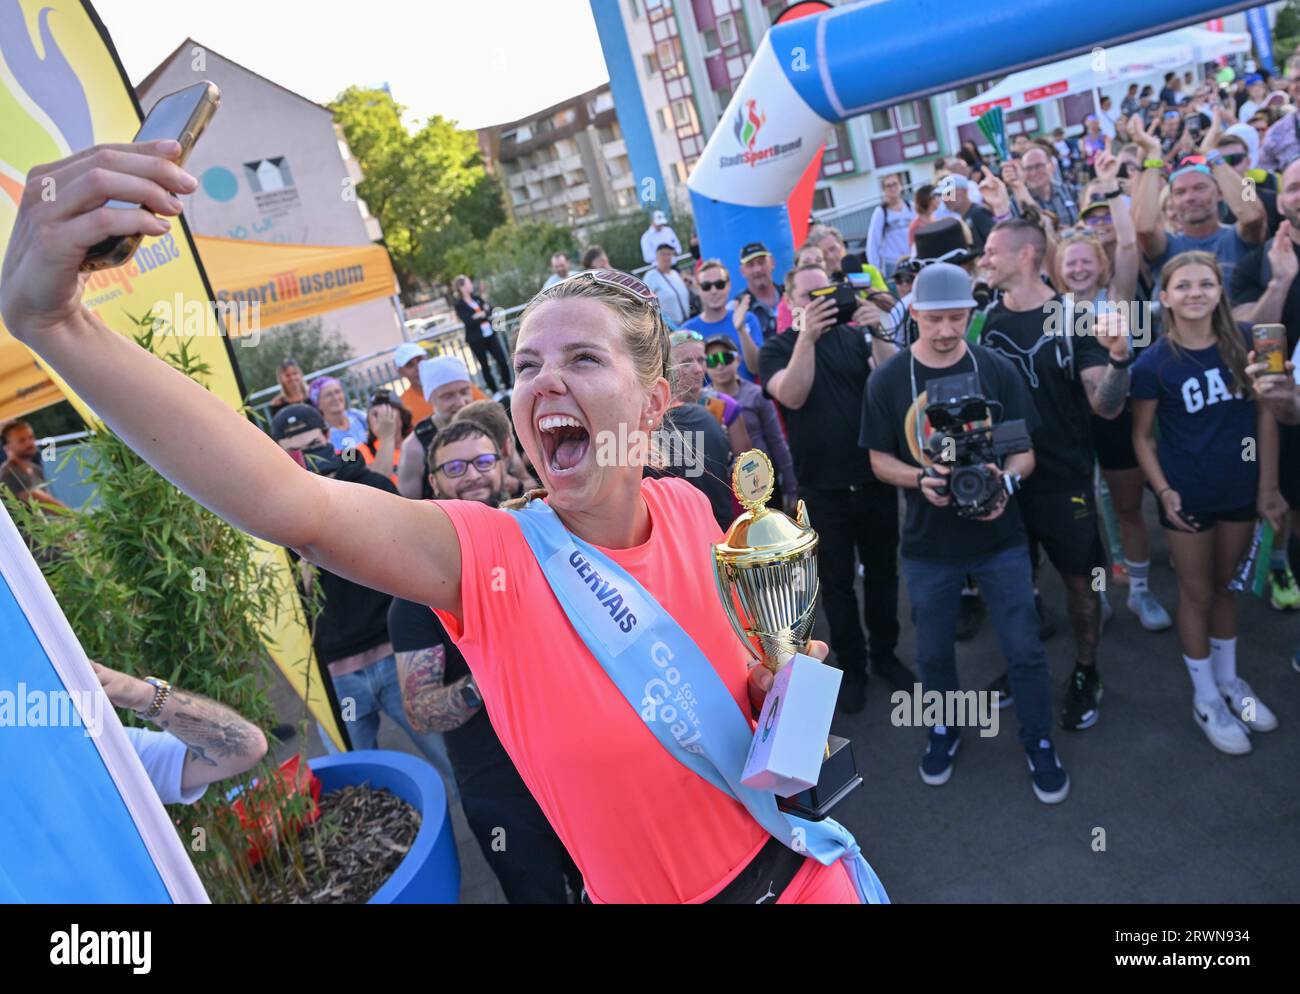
<point x="351" y="638"/>
<point x="439" y="696"/>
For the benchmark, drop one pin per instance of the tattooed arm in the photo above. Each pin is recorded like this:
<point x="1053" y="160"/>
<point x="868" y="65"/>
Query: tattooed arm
<point x="221" y="743"/>
<point x="1107" y="389"/>
<point x="430" y="705"/>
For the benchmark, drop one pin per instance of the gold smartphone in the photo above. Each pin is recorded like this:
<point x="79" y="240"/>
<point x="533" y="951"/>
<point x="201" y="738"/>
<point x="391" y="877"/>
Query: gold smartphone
<point x="1270" y="344"/>
<point x="181" y="116"/>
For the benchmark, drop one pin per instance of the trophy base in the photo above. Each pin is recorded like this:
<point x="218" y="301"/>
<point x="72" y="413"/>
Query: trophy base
<point x="839" y="778"/>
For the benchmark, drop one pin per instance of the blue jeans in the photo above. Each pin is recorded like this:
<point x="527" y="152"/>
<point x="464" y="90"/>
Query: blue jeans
<point x="367" y="692"/>
<point x="1007" y="586"/>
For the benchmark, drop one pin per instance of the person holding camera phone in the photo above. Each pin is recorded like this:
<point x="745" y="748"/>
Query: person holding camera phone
<point x="961" y="520"/>
<point x="1072" y="373"/>
<point x="818" y="372"/>
<point x="1193" y="385"/>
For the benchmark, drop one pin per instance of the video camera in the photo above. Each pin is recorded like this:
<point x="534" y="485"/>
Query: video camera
<point x="954" y="403"/>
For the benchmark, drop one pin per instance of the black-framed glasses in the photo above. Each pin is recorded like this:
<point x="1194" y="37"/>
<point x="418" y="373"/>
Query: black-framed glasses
<point x="455" y="468"/>
<point x="1234" y="158"/>
<point x="720" y="360"/>
<point x="713" y="284"/>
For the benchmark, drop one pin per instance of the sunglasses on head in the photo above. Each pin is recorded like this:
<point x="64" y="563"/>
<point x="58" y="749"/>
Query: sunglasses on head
<point x="1234" y="158"/>
<point x="713" y="284"/>
<point x="682" y="337"/>
<point x="456" y="468"/>
<point x="720" y="360"/>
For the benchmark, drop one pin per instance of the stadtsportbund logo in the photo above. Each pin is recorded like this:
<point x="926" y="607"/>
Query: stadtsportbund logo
<point x="748" y="123"/>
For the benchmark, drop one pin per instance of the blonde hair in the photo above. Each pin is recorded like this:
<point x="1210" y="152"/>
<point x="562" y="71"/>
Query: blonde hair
<point x="645" y="336"/>
<point x="1094" y="243"/>
<point x="1227" y="336"/>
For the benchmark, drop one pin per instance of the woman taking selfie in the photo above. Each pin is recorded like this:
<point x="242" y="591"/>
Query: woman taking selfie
<point x="1213" y="471"/>
<point x="645" y="799"/>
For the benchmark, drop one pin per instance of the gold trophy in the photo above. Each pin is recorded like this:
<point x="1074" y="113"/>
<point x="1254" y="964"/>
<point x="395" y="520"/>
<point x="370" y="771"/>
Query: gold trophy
<point x="766" y="572"/>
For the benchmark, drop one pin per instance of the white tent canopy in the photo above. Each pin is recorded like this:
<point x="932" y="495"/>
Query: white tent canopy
<point x="1085" y="73"/>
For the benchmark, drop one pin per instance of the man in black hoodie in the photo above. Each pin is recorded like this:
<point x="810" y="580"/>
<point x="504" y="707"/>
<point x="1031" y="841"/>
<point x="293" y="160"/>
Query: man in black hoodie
<point x="351" y="637"/>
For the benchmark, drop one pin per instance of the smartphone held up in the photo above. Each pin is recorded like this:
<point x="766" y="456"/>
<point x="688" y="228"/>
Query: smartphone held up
<point x="1270" y="347"/>
<point x="182" y="117"/>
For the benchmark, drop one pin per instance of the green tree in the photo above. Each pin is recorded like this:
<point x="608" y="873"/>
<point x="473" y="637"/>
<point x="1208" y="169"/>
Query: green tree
<point x="515" y="259"/>
<point x="429" y="189"/>
<point x="306" y="341"/>
<point x="1286" y="33"/>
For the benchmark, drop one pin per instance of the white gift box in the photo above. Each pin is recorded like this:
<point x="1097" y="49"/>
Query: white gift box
<point x="790" y="742"/>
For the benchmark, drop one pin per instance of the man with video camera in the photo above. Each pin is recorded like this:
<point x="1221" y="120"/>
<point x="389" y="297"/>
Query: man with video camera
<point x="949" y="423"/>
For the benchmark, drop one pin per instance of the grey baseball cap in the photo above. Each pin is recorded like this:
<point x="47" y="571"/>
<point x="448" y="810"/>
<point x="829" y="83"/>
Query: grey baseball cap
<point x="941" y="286"/>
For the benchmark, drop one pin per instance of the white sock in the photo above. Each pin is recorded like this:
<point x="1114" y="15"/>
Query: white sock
<point x="1137" y="576"/>
<point x="1223" y="653"/>
<point x="1202" y="673"/>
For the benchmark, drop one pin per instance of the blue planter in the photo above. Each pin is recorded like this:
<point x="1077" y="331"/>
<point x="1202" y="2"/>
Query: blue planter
<point x="430" y="873"/>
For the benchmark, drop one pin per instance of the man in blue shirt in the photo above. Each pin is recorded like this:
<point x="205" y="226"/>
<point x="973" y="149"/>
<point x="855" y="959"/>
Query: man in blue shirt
<point x="717" y="319"/>
<point x="1196" y="185"/>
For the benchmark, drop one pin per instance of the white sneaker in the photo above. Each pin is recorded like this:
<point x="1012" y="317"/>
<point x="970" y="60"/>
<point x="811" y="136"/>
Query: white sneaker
<point x="1225" y="732"/>
<point x="1239" y="697"/>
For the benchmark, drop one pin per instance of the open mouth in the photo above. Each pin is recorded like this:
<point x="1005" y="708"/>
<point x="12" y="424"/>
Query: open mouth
<point x="565" y="442"/>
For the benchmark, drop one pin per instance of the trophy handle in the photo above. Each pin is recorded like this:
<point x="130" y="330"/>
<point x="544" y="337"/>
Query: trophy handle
<point x="728" y="608"/>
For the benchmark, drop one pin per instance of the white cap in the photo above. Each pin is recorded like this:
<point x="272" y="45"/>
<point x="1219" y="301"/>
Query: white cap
<point x="406" y="352"/>
<point x="658" y="218"/>
<point x="438" y="372"/>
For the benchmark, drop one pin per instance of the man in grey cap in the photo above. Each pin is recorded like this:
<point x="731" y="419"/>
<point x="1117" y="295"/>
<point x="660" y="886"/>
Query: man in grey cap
<point x="940" y="547"/>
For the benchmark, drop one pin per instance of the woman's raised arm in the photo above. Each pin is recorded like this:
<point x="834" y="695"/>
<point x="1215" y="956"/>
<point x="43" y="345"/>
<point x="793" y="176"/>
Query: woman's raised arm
<point x="189" y="435"/>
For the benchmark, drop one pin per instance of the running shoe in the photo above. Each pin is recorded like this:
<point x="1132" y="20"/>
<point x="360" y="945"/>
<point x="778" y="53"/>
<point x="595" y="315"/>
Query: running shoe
<point x="1284" y="594"/>
<point x="1246" y="706"/>
<point x="1151" y="614"/>
<point x="1051" y="782"/>
<point x="936" y="764"/>
<point x="1082" y="695"/>
<point x="1226" y="733"/>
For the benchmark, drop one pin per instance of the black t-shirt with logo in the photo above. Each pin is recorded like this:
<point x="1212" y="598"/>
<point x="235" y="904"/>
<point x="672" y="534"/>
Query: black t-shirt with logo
<point x="711" y="475"/>
<point x="889" y="423"/>
<point x="1037" y="344"/>
<point x="824" y="433"/>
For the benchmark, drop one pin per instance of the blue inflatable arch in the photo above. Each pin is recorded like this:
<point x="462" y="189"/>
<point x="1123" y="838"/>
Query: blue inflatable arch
<point x="813" y="73"/>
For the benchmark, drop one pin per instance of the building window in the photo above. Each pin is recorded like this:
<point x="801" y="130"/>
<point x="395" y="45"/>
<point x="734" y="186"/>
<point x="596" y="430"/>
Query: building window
<point x="727" y="30"/>
<point x="907" y="118"/>
<point x="711" y="44"/>
<point x="665" y="123"/>
<point x="634" y="9"/>
<point x="651" y="63"/>
<point x="665" y="54"/>
<point x="773" y="9"/>
<point x="682" y="172"/>
<point x="682" y="112"/>
<point x="882" y="122"/>
<point x="723" y="95"/>
<point x="823" y="198"/>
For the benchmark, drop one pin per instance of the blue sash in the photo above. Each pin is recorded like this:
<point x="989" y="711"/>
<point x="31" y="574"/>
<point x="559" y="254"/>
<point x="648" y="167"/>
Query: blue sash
<point x="668" y="681"/>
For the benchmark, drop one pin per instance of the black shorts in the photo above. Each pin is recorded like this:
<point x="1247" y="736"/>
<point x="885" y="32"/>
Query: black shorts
<point x="1205" y="520"/>
<point x="1065" y="525"/>
<point x="1288" y="471"/>
<point x="1113" y="440"/>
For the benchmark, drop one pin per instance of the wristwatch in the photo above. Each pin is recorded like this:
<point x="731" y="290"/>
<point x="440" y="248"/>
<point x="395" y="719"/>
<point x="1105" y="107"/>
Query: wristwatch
<point x="1011" y="481"/>
<point x="161" y="691"/>
<point x="469" y="694"/>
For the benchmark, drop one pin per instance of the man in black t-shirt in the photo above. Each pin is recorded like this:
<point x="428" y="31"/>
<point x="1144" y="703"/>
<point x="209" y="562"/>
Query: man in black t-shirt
<point x="817" y="371"/>
<point x="940" y="548"/>
<point x="1071" y="376"/>
<point x="439" y="695"/>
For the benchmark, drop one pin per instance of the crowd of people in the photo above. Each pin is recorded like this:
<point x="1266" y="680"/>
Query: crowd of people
<point x="1020" y="355"/>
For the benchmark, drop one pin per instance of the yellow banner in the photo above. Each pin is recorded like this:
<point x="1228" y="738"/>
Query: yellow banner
<point x="61" y="89"/>
<point x="291" y="282"/>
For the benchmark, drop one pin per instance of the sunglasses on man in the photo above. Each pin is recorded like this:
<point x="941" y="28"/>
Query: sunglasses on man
<point x="456" y="468"/>
<point x="713" y="284"/>
<point x="721" y="360"/>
